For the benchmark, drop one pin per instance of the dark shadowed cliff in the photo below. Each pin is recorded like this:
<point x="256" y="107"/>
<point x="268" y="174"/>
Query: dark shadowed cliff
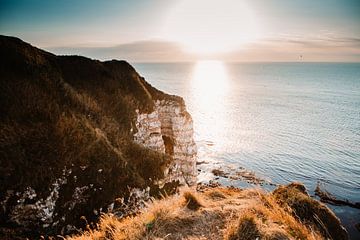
<point x="67" y="148"/>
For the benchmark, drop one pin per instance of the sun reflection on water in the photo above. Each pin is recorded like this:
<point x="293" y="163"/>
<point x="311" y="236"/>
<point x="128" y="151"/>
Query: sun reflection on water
<point x="209" y="87"/>
<point x="209" y="82"/>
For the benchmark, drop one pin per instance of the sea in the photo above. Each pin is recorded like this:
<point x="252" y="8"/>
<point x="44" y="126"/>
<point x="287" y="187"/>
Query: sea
<point x="284" y="122"/>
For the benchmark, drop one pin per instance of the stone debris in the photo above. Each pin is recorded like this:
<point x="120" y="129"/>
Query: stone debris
<point x="25" y="212"/>
<point x="241" y="175"/>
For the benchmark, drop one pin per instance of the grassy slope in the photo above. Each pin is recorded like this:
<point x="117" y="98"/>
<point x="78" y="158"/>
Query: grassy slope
<point x="71" y="112"/>
<point x="222" y="213"/>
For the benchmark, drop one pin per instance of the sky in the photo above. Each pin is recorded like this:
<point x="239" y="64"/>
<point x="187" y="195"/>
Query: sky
<point x="189" y="30"/>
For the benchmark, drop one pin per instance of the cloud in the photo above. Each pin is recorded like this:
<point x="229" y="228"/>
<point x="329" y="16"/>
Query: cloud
<point x="282" y="48"/>
<point x="317" y="42"/>
<point x="295" y="48"/>
<point x="142" y="51"/>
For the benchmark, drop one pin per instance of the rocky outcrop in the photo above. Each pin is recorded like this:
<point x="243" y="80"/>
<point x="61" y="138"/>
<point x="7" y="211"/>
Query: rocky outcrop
<point x="169" y="129"/>
<point x="296" y="199"/>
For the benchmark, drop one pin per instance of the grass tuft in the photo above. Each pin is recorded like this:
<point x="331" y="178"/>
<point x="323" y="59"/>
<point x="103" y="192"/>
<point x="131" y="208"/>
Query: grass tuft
<point x="191" y="201"/>
<point x="246" y="229"/>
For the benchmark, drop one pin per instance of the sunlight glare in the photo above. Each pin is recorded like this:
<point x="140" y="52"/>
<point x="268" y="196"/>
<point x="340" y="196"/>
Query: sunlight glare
<point x="210" y="78"/>
<point x="210" y="26"/>
<point x="209" y="86"/>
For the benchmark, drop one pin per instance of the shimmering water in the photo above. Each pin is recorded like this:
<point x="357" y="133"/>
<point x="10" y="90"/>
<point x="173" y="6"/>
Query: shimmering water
<point x="284" y="121"/>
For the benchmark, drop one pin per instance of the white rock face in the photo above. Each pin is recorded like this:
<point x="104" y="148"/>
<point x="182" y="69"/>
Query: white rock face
<point x="149" y="131"/>
<point x="169" y="129"/>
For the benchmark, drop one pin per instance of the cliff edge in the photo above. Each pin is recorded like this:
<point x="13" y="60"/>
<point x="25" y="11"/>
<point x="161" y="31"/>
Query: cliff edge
<point x="79" y="137"/>
<point x="220" y="213"/>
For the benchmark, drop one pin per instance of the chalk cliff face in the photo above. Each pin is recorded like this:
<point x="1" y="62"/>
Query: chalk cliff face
<point x="169" y="129"/>
<point x="78" y="137"/>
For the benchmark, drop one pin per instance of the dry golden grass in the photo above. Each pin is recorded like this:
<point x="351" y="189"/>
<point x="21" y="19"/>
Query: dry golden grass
<point x="191" y="201"/>
<point x="246" y="229"/>
<point x="224" y="214"/>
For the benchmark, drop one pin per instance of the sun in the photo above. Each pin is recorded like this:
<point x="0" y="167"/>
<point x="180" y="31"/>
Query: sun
<point x="211" y="26"/>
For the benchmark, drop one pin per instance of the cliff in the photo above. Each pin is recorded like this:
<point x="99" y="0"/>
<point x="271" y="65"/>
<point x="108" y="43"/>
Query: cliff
<point x="79" y="137"/>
